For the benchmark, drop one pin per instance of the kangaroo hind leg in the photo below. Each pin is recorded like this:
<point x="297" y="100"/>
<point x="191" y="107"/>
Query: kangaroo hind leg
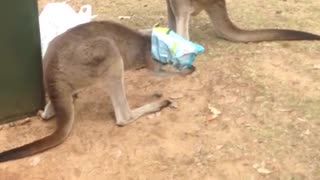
<point x="116" y="89"/>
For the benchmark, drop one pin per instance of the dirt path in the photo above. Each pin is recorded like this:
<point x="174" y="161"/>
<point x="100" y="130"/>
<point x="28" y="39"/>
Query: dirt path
<point x="268" y="95"/>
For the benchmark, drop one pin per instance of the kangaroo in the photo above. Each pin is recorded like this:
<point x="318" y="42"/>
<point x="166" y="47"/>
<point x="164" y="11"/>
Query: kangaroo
<point x="82" y="56"/>
<point x="180" y="11"/>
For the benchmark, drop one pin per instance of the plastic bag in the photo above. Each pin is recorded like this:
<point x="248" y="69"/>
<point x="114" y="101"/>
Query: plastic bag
<point x="56" y="18"/>
<point x="170" y="48"/>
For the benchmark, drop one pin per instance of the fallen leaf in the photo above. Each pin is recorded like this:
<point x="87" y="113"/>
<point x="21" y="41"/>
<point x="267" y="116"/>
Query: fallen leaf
<point x="284" y="110"/>
<point x="218" y="147"/>
<point x="214" y="110"/>
<point x="156" y="25"/>
<point x="35" y="161"/>
<point x="316" y="66"/>
<point x="256" y="166"/>
<point x="302" y="120"/>
<point x="307" y="132"/>
<point x="212" y="117"/>
<point x="214" y="113"/>
<point x="263" y="170"/>
<point x="176" y="96"/>
<point x="118" y="154"/>
<point x="25" y="121"/>
<point x="174" y="105"/>
<point x="124" y="17"/>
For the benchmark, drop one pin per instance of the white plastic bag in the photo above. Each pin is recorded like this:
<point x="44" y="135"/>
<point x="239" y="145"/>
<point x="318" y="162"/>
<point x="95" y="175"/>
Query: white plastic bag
<point x="56" y="18"/>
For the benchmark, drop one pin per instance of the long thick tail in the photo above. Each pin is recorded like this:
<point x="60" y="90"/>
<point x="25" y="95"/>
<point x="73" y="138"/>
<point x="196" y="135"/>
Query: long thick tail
<point x="227" y="30"/>
<point x="35" y="147"/>
<point x="62" y="103"/>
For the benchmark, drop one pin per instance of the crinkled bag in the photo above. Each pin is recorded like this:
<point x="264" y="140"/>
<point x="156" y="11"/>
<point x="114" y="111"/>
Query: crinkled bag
<point x="170" y="48"/>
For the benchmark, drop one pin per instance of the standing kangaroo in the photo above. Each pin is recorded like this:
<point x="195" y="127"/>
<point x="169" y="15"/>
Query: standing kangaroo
<point x="180" y="11"/>
<point x="82" y="56"/>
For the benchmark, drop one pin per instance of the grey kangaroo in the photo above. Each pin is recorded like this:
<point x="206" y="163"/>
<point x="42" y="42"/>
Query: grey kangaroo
<point x="78" y="58"/>
<point x="180" y="11"/>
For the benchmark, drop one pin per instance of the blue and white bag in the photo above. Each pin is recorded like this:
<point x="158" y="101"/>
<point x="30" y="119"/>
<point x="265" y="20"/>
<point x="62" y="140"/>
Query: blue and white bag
<point x="171" y="48"/>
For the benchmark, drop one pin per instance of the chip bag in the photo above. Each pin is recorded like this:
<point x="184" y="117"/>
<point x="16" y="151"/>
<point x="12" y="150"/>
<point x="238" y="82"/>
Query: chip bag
<point x="170" y="48"/>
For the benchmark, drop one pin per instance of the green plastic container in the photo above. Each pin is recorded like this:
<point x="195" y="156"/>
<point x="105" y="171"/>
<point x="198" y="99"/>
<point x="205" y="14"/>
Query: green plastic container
<point x="21" y="85"/>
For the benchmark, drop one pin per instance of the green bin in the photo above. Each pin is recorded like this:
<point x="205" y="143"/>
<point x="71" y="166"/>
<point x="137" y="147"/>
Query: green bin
<point x="21" y="88"/>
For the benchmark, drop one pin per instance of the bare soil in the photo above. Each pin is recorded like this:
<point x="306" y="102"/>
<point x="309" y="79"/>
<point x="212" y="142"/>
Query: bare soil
<point x="268" y="94"/>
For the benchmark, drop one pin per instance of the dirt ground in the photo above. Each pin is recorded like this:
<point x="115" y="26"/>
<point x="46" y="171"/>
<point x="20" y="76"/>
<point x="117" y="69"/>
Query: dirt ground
<point x="268" y="94"/>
